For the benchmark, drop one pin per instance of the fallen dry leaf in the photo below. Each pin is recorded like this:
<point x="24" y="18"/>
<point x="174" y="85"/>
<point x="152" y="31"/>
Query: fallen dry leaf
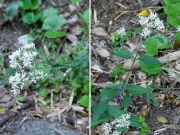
<point x="39" y="111"/>
<point x="161" y="119"/>
<point x="103" y="52"/>
<point x="72" y="37"/>
<point x="145" y="12"/>
<point x="99" y="31"/>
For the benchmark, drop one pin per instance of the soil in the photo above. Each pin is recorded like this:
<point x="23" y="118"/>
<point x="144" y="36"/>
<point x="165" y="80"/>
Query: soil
<point x="112" y="16"/>
<point x="30" y="120"/>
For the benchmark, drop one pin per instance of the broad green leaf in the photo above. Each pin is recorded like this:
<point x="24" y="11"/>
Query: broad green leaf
<point x="115" y="111"/>
<point x="12" y="9"/>
<point x="126" y="102"/>
<point x="111" y="92"/>
<point x="152" y="45"/>
<point x="135" y="122"/>
<point x="150" y="69"/>
<point x="138" y="30"/>
<point x="137" y="90"/>
<point x="53" y="23"/>
<point x="55" y="34"/>
<point x="84" y="101"/>
<point x="49" y="12"/>
<point x="29" y="4"/>
<point x="149" y="60"/>
<point x="153" y="98"/>
<point x="122" y="53"/>
<point x="101" y="107"/>
<point x="28" y="17"/>
<point x="163" y="40"/>
<point x="101" y="119"/>
<point x="20" y="98"/>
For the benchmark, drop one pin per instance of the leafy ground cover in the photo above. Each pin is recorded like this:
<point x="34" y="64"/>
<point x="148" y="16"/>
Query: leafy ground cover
<point x="60" y="32"/>
<point x="134" y="67"/>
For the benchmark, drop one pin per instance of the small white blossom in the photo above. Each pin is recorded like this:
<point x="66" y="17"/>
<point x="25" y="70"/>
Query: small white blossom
<point x="178" y="29"/>
<point x="23" y="40"/>
<point x="152" y="16"/>
<point x="145" y="32"/>
<point x="107" y="127"/>
<point x="18" y="81"/>
<point x="143" y="20"/>
<point x="116" y="133"/>
<point x="36" y="75"/>
<point x="121" y="31"/>
<point x="159" y="24"/>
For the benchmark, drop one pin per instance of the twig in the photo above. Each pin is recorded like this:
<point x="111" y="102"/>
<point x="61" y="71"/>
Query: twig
<point x="7" y="117"/>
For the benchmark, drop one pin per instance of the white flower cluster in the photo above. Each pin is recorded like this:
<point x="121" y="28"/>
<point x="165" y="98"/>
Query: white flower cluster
<point x="178" y="29"/>
<point x="22" y="59"/>
<point x="122" y="121"/>
<point x="149" y="23"/>
<point x="121" y="31"/>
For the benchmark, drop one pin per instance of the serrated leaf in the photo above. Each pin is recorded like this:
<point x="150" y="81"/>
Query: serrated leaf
<point x="149" y="60"/>
<point x="126" y="102"/>
<point x="137" y="90"/>
<point x="100" y="107"/>
<point x="122" y="53"/>
<point x="49" y="12"/>
<point x="150" y="69"/>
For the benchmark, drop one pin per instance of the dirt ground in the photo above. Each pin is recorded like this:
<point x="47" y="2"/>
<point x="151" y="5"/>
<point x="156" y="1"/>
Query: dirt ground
<point x="9" y="32"/>
<point x="112" y="16"/>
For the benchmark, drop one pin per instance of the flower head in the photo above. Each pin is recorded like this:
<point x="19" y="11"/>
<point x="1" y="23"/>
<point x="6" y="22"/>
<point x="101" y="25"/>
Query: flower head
<point x="178" y="29"/>
<point x="107" y="127"/>
<point x="23" y="40"/>
<point x="145" y="32"/>
<point x="121" y="31"/>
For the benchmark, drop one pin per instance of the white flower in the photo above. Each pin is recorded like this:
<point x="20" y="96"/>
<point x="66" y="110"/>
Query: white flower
<point x="152" y="16"/>
<point x="143" y="20"/>
<point x="122" y="121"/>
<point x="178" y="29"/>
<point x="121" y="31"/>
<point x="159" y="24"/>
<point x="18" y="81"/>
<point x="36" y="75"/>
<point x="145" y="32"/>
<point x="116" y="133"/>
<point x="107" y="127"/>
<point x="23" y="40"/>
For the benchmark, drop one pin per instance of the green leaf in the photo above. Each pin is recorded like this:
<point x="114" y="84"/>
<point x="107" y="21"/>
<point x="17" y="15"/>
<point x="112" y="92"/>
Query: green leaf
<point x="163" y="41"/>
<point x="122" y="53"/>
<point x="29" y="4"/>
<point x="12" y="9"/>
<point x="55" y="34"/>
<point x="152" y="45"/>
<point x="84" y="101"/>
<point x="178" y="35"/>
<point x="149" y="60"/>
<point x="138" y="30"/>
<point x="53" y="23"/>
<point x="111" y="92"/>
<point x="114" y="111"/>
<point x="150" y="69"/>
<point x="49" y="12"/>
<point x="75" y="1"/>
<point x="126" y="102"/>
<point x="153" y="98"/>
<point x="28" y="17"/>
<point x="44" y="93"/>
<point x="101" y="107"/>
<point x="157" y="88"/>
<point x="137" y="90"/>
<point x="20" y="98"/>
<point x="134" y="122"/>
<point x="103" y="118"/>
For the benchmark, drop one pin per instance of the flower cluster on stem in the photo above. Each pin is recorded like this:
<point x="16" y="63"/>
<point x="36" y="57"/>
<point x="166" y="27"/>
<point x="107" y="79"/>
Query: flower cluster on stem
<point x="149" y="23"/>
<point x="23" y="60"/>
<point x="116" y="126"/>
